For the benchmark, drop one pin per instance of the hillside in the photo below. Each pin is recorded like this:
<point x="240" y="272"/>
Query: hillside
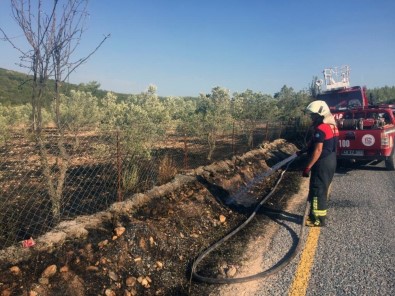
<point x="15" y="88"/>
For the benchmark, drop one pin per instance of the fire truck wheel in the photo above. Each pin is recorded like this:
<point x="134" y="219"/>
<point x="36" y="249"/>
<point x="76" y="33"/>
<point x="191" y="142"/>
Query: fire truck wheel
<point x="390" y="162"/>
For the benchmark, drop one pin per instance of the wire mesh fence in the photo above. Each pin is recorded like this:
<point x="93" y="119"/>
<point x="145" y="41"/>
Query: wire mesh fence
<point x="52" y="181"/>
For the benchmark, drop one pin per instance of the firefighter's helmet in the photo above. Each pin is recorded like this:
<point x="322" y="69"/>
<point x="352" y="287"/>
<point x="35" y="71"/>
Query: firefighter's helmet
<point x="318" y="107"/>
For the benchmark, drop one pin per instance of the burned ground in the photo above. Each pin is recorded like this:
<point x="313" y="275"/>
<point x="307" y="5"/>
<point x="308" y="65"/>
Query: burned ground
<point x="146" y="246"/>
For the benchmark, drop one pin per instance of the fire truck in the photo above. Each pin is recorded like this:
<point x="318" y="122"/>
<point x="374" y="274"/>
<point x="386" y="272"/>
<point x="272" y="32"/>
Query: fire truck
<point x="366" y="131"/>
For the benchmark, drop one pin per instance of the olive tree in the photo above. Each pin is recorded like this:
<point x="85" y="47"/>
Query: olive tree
<point x="142" y="121"/>
<point x="12" y="117"/>
<point x="249" y="109"/>
<point x="78" y="111"/>
<point x="215" y="116"/>
<point x="183" y="116"/>
<point x="290" y="103"/>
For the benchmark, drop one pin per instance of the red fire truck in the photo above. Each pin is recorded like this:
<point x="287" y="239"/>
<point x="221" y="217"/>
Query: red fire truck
<point x="366" y="132"/>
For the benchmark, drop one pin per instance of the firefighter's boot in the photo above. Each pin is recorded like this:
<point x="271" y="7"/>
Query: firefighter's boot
<point x="315" y="221"/>
<point x="310" y="221"/>
<point x="322" y="221"/>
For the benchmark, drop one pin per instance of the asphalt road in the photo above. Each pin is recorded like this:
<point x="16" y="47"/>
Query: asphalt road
<point x="355" y="253"/>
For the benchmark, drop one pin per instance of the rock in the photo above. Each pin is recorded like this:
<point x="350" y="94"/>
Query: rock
<point x="15" y="270"/>
<point x="222" y="218"/>
<point x="102" y="244"/>
<point x="92" y="268"/>
<point x="119" y="231"/>
<point x="144" y="281"/>
<point x="131" y="281"/>
<point x="109" y="292"/>
<point x="223" y="266"/>
<point x="49" y="271"/>
<point x="159" y="265"/>
<point x="43" y="281"/>
<point x="64" y="269"/>
<point x="113" y="276"/>
<point x="143" y="244"/>
<point x="231" y="271"/>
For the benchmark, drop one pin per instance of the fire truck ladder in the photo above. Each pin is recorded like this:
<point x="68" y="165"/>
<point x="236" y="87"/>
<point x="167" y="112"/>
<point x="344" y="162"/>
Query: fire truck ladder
<point x="337" y="77"/>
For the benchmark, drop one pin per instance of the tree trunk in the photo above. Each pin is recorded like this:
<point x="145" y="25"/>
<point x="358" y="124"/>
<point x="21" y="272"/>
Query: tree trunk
<point x="211" y="140"/>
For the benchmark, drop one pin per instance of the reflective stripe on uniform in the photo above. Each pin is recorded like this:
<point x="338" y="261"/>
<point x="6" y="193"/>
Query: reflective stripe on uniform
<point x="316" y="212"/>
<point x="319" y="213"/>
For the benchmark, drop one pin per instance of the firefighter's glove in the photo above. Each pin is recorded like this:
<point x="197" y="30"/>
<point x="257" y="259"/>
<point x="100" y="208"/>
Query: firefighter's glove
<point x="306" y="172"/>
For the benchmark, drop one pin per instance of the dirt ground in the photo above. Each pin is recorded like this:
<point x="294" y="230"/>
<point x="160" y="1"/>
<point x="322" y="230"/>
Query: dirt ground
<point x="146" y="245"/>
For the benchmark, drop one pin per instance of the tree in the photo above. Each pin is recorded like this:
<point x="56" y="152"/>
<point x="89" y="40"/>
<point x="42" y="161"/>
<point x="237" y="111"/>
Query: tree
<point x="77" y="111"/>
<point x="142" y="121"/>
<point x="382" y="95"/>
<point x="182" y="112"/>
<point x="291" y="104"/>
<point x="52" y="31"/>
<point x="11" y="117"/>
<point x="215" y="116"/>
<point x="248" y="108"/>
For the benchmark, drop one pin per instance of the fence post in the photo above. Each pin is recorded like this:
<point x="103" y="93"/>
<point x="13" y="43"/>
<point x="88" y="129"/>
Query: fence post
<point x="281" y="129"/>
<point x="267" y="130"/>
<point x="185" y="152"/>
<point x="233" y="139"/>
<point x="119" y="169"/>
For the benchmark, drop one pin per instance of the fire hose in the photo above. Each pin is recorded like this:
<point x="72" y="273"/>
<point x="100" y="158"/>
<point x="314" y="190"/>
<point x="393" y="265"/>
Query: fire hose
<point x="270" y="271"/>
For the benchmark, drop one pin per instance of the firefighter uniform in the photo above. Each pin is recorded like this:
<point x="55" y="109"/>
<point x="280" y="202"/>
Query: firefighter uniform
<point x="322" y="171"/>
<point x="321" y="164"/>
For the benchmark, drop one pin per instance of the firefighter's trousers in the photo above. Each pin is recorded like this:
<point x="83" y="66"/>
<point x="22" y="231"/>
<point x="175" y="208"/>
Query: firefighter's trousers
<point x="321" y="177"/>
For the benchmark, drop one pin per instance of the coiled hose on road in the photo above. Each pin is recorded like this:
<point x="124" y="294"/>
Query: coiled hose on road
<point x="265" y="273"/>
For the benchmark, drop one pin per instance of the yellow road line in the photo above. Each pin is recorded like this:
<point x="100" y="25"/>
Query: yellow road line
<point x="302" y="276"/>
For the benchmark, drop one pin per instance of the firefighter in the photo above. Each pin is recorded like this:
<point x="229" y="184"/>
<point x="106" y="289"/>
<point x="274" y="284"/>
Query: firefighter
<point x="321" y="163"/>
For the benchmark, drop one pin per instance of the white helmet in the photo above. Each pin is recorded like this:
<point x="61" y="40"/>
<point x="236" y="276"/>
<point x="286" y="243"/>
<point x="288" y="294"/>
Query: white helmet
<point x="318" y="107"/>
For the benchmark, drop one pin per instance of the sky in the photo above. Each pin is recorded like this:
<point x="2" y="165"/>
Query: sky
<point x="188" y="47"/>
